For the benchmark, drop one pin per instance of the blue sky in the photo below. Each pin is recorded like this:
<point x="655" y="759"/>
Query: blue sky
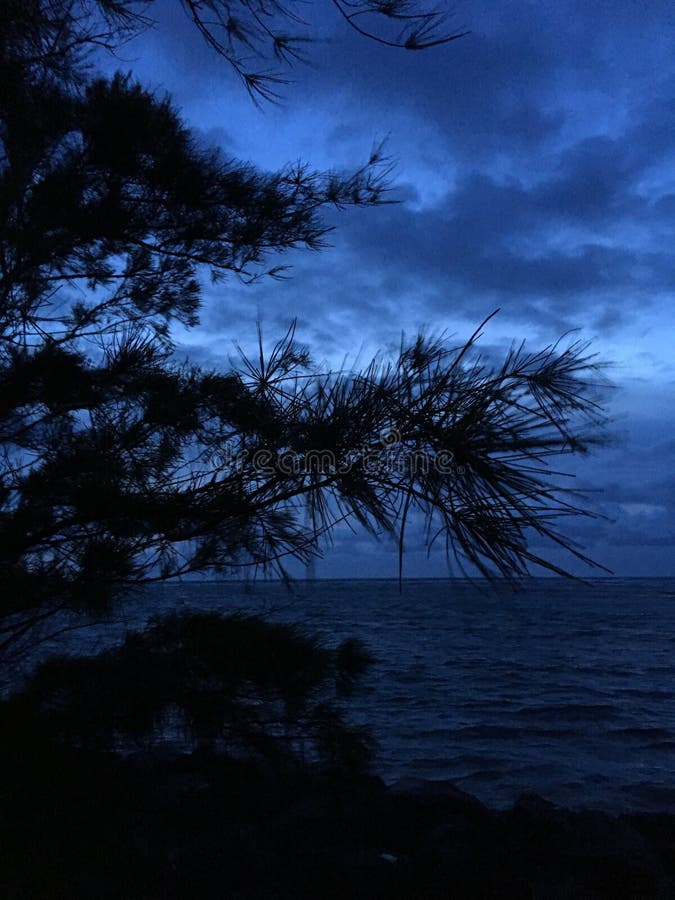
<point x="535" y="164"/>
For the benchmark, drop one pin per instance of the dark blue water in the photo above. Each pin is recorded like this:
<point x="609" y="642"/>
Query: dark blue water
<point x="562" y="688"/>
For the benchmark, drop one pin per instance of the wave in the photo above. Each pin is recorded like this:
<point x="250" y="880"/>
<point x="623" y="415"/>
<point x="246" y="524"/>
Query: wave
<point x="570" y="710"/>
<point x="482" y="775"/>
<point x="505" y="732"/>
<point x="645" y="694"/>
<point x="488" y="732"/>
<point x="642" y="732"/>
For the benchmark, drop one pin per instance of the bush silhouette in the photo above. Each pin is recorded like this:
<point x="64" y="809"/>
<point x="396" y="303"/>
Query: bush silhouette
<point x="234" y="683"/>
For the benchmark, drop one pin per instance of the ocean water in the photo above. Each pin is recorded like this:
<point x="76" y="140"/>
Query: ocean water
<point x="564" y="688"/>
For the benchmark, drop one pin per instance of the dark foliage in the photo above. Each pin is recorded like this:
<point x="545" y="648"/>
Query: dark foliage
<point x="238" y="684"/>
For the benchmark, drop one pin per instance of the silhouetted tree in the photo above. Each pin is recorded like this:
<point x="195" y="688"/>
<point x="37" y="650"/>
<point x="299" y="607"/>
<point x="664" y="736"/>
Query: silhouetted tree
<point x="120" y="466"/>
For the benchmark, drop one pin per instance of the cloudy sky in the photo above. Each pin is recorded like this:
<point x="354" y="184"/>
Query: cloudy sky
<point x="535" y="165"/>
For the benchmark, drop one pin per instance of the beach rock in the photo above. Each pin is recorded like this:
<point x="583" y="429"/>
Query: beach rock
<point x="599" y="854"/>
<point x="413" y="809"/>
<point x="531" y="804"/>
<point x="441" y="794"/>
<point x="208" y="827"/>
<point x="659" y="830"/>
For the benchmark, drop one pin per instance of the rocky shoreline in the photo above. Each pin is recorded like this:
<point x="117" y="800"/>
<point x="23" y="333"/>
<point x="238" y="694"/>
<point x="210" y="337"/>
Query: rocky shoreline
<point x="203" y="827"/>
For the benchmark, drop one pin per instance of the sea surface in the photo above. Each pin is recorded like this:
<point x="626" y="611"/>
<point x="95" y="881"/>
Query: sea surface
<point x="563" y="688"/>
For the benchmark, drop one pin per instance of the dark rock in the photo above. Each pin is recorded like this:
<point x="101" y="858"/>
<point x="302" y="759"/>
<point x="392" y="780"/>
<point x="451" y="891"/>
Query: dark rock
<point x="596" y="852"/>
<point x="532" y="804"/>
<point x="659" y="830"/>
<point x="83" y="825"/>
<point x="412" y="808"/>
<point x="437" y="794"/>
